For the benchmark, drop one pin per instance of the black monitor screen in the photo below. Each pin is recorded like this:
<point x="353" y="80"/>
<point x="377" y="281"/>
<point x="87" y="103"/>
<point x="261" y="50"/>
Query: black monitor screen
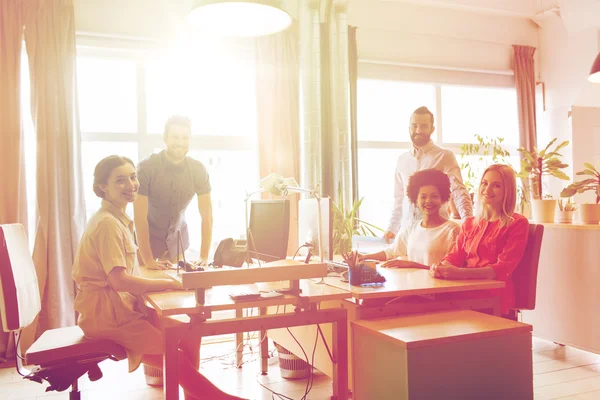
<point x="269" y="229"/>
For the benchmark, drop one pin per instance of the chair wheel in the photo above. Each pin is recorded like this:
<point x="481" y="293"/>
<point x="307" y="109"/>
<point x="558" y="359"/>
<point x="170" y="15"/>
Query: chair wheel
<point x="94" y="373"/>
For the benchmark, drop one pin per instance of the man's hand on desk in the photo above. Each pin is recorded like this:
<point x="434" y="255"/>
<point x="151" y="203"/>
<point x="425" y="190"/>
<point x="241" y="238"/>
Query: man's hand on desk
<point x="160" y="264"/>
<point x="200" y="263"/>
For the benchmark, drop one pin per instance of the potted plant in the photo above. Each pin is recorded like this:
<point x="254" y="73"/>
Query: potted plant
<point x="346" y="224"/>
<point x="484" y="147"/>
<point x="471" y="171"/>
<point x="565" y="211"/>
<point x="536" y="164"/>
<point x="588" y="213"/>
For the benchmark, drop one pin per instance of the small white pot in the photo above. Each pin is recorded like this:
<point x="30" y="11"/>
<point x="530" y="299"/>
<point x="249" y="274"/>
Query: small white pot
<point x="543" y="210"/>
<point x="589" y="213"/>
<point x="564" y="217"/>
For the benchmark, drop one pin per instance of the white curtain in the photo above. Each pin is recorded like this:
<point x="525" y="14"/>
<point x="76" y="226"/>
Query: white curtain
<point x="50" y="43"/>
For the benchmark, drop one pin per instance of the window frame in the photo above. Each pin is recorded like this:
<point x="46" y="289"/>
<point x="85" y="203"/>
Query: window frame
<point x="405" y="145"/>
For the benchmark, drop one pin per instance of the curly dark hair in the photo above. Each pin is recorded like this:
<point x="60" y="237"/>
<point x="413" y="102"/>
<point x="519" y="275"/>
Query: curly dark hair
<point x="428" y="177"/>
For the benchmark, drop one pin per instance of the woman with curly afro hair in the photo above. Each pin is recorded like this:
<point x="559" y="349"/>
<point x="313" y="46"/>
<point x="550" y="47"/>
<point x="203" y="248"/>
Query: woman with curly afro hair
<point x="425" y="242"/>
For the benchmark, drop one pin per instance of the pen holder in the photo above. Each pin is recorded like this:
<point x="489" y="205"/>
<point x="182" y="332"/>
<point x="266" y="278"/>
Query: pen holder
<point x="363" y="275"/>
<point x="354" y="276"/>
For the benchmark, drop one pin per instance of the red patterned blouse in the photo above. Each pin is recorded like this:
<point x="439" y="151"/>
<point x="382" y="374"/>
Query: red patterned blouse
<point x="482" y="243"/>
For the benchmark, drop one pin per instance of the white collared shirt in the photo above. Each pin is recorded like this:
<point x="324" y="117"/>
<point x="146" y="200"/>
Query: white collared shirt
<point x="429" y="156"/>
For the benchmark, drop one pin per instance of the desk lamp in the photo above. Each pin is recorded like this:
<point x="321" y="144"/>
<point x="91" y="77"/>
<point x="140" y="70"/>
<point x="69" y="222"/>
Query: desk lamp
<point x="280" y="186"/>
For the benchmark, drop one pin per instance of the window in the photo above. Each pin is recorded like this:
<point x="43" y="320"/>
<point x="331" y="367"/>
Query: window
<point x="219" y="97"/>
<point x="107" y="95"/>
<point x="491" y="112"/>
<point x="125" y="101"/>
<point x="384" y="109"/>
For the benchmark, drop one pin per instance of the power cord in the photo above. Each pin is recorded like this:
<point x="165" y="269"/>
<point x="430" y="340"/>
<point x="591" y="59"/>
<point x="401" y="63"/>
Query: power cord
<point x="306" y="358"/>
<point x="311" y="376"/>
<point x="304" y="245"/>
<point x="18" y="356"/>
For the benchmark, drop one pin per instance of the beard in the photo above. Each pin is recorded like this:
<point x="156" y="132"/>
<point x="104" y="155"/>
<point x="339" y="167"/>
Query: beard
<point x="177" y="154"/>
<point x="420" y="140"/>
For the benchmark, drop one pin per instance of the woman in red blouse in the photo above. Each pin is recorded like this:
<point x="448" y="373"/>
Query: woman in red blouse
<point x="491" y="244"/>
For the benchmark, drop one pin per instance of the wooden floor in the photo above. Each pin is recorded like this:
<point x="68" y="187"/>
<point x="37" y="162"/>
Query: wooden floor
<point x="559" y="373"/>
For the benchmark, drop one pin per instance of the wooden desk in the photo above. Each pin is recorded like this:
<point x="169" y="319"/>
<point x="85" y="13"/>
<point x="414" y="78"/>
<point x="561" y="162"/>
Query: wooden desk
<point x="196" y="320"/>
<point x="401" y="282"/>
<point x="410" y="282"/>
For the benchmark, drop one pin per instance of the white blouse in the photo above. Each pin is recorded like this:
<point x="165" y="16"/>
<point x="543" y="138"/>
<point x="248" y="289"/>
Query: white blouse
<point x="425" y="246"/>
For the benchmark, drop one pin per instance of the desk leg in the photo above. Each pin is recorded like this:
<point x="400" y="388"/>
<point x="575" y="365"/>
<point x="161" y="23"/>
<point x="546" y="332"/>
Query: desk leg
<point x="171" y="366"/>
<point x="340" y="354"/>
<point x="239" y="341"/>
<point x="264" y="347"/>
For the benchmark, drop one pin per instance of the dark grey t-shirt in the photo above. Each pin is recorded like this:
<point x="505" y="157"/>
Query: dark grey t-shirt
<point x="169" y="189"/>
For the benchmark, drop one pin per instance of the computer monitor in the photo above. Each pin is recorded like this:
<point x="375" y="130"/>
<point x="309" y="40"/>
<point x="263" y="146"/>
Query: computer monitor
<point x="308" y="231"/>
<point x="269" y="229"/>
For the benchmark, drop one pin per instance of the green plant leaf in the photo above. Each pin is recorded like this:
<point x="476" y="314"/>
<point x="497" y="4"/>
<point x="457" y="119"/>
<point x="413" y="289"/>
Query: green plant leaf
<point x="568" y="191"/>
<point x="587" y="172"/>
<point x="590" y="166"/>
<point x="560" y="175"/>
<point x="548" y="146"/>
<point x="560" y="146"/>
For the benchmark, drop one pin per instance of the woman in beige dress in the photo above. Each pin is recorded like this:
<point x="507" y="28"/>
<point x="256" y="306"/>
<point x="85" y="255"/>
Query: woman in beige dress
<point x="107" y="273"/>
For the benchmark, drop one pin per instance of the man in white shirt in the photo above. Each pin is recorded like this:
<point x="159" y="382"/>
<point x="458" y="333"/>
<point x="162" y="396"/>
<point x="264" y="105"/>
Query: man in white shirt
<point x="424" y="155"/>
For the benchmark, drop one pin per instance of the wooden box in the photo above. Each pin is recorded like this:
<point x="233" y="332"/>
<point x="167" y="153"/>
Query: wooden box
<point x="444" y="355"/>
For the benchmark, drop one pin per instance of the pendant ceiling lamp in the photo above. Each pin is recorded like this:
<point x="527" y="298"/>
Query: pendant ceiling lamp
<point x="595" y="71"/>
<point x="238" y="17"/>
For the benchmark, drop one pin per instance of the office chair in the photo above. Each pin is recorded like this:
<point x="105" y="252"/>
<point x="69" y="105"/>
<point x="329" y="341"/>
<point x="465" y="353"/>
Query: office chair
<point x="525" y="275"/>
<point x="60" y="356"/>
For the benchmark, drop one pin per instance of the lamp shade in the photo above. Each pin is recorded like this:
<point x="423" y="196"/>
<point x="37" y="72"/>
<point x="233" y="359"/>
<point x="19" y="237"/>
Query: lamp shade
<point x="595" y="71"/>
<point x="238" y="17"/>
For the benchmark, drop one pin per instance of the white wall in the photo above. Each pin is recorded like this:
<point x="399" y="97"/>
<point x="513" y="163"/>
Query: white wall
<point x="150" y="19"/>
<point x="566" y="55"/>
<point x="159" y="20"/>
<point x="405" y="32"/>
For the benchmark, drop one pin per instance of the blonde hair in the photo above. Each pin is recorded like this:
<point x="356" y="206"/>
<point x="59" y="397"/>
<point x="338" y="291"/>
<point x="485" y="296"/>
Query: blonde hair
<point x="509" y="202"/>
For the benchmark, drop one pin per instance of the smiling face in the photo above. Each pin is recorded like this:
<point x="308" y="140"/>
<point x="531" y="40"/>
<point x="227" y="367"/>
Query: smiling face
<point x="491" y="189"/>
<point x="421" y="128"/>
<point x="429" y="200"/>
<point x="121" y="186"/>
<point x="177" y="140"/>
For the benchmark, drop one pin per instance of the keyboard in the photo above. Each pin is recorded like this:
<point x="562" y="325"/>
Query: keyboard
<point x="337" y="266"/>
<point x="244" y="296"/>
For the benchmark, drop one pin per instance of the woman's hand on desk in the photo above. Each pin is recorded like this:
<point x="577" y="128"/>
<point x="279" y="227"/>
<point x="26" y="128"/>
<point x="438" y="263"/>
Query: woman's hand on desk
<point x="445" y="271"/>
<point x="396" y="263"/>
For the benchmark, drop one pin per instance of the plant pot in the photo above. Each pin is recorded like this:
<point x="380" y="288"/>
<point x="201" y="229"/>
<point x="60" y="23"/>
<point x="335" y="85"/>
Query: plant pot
<point x="543" y="210"/>
<point x="589" y="213"/>
<point x="564" y="217"/>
